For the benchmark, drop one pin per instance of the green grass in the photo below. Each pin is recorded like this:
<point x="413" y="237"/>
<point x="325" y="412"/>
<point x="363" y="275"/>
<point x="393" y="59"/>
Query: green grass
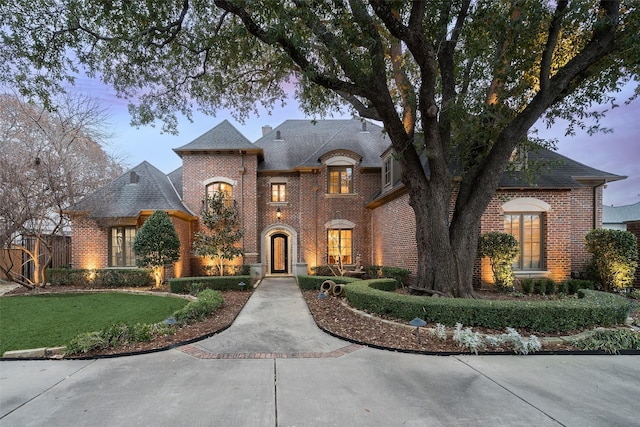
<point x="52" y="320"/>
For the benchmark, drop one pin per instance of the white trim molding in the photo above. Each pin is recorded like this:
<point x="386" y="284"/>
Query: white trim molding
<point x="341" y="224"/>
<point x="219" y="179"/>
<point x="526" y="204"/>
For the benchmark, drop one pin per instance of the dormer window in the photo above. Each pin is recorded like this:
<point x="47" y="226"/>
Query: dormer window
<point x="340" y="175"/>
<point x="340" y="180"/>
<point x="386" y="172"/>
<point x="518" y="159"/>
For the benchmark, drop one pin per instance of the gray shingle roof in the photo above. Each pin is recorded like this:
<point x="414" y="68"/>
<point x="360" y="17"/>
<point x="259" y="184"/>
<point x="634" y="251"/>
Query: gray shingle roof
<point x="302" y="142"/>
<point x="126" y="198"/>
<point x="176" y="179"/>
<point x="620" y="214"/>
<point x="561" y="172"/>
<point x="222" y="137"/>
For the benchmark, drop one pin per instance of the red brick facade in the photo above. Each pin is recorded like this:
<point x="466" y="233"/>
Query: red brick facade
<point x="383" y="231"/>
<point x="90" y="242"/>
<point x="570" y="217"/>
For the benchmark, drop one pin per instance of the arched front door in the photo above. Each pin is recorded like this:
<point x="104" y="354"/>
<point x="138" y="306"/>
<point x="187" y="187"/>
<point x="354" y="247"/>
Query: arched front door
<point x="279" y="254"/>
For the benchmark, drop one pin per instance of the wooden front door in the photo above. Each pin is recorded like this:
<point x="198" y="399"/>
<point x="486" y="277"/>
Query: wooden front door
<point x="279" y="254"/>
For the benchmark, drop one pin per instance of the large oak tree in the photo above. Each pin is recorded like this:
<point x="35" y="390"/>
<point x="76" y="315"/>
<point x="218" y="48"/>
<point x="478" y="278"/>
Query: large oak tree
<point x="471" y="76"/>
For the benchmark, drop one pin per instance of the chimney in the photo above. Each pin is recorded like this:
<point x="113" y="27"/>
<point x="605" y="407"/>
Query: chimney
<point x="266" y="129"/>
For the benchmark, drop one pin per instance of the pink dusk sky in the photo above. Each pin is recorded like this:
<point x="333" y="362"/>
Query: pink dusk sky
<point x="617" y="152"/>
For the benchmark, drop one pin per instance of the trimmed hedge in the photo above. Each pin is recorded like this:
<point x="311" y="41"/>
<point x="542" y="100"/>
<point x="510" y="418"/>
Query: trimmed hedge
<point x="590" y="309"/>
<point x="102" y="278"/>
<point x="193" y="285"/>
<point x="380" y="271"/>
<point x="208" y="301"/>
<point x="312" y="283"/>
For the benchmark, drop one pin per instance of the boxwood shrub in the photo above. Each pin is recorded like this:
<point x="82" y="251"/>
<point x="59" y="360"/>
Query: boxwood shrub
<point x="313" y="283"/>
<point x="590" y="309"/>
<point x="208" y="301"/>
<point x="101" y="278"/>
<point x="193" y="285"/>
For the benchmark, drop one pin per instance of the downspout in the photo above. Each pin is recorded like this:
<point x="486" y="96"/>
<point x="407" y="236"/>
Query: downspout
<point x="242" y="192"/>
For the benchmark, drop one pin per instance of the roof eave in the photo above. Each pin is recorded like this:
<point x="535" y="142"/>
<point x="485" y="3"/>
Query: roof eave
<point x="602" y="178"/>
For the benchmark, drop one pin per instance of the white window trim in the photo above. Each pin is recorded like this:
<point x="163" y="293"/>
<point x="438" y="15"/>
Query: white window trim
<point x="339" y="224"/>
<point x="219" y="179"/>
<point x="526" y="204"/>
<point x="340" y="161"/>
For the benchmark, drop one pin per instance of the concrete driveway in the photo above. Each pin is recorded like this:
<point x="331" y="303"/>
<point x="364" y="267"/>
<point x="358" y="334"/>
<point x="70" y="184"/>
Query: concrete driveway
<point x="273" y="367"/>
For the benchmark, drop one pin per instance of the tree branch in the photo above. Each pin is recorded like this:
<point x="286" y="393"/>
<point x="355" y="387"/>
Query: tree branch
<point x="552" y="41"/>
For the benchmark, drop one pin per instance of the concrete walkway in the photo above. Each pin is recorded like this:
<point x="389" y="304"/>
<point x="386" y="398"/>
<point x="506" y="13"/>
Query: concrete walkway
<point x="273" y="367"/>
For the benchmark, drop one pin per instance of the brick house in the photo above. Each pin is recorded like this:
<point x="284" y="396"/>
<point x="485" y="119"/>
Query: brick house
<point x="311" y="193"/>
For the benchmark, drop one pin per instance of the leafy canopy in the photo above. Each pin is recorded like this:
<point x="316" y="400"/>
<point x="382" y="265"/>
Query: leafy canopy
<point x="472" y="76"/>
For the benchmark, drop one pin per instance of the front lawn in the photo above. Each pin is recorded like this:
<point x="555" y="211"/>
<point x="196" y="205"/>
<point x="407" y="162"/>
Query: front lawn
<point x="52" y="320"/>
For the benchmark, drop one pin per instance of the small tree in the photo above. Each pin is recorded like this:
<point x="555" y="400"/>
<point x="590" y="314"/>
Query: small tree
<point x="615" y="253"/>
<point x="220" y="241"/>
<point x="157" y="244"/>
<point x="502" y="250"/>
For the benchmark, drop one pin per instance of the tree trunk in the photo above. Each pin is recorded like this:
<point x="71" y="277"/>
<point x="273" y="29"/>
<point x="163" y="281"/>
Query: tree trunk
<point x="157" y="275"/>
<point x="446" y="256"/>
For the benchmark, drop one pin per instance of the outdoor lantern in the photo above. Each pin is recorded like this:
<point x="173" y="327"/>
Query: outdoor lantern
<point x="417" y="322"/>
<point x="278" y="213"/>
<point x="170" y="321"/>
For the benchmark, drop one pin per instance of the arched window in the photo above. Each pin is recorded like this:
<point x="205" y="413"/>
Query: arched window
<point x="222" y="185"/>
<point x="340" y="175"/>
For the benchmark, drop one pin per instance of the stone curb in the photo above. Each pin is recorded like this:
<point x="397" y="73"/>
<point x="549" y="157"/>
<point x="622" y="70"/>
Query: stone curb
<point x="44" y="352"/>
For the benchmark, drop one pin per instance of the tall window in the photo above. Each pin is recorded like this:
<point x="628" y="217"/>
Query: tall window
<point x="121" y="247"/>
<point x="339" y="246"/>
<point x="387" y="171"/>
<point x="340" y="180"/>
<point x="527" y="229"/>
<point x="223" y="187"/>
<point x="279" y="192"/>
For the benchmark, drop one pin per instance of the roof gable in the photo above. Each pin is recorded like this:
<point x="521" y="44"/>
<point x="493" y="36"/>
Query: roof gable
<point x="223" y="137"/>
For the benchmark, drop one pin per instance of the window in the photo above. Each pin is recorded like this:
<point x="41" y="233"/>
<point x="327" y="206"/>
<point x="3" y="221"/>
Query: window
<point x="387" y="172"/>
<point x="279" y="192"/>
<point x="527" y="229"/>
<point x="340" y="180"/>
<point x="339" y="246"/>
<point x="223" y="187"/>
<point x="121" y="247"/>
